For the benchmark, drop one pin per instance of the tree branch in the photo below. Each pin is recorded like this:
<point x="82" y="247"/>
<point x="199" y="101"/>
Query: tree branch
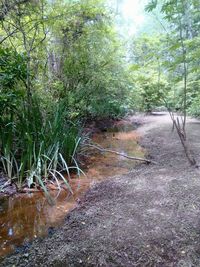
<point x="8" y="36"/>
<point x="120" y="154"/>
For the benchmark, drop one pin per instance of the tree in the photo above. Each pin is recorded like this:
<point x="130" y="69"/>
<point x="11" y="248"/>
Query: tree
<point x="87" y="63"/>
<point x="149" y="78"/>
<point x="60" y="62"/>
<point x="182" y="30"/>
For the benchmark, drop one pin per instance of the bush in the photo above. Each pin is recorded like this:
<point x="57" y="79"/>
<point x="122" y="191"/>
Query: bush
<point x="194" y="108"/>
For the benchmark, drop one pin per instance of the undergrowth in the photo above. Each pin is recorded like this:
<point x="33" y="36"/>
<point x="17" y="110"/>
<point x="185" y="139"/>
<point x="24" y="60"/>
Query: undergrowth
<point x="38" y="144"/>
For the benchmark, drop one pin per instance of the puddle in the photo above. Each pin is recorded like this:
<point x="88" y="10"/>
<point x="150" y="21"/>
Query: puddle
<point x="28" y="216"/>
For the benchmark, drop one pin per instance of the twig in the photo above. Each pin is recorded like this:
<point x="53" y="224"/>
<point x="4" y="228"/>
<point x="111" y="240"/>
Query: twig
<point x="120" y="154"/>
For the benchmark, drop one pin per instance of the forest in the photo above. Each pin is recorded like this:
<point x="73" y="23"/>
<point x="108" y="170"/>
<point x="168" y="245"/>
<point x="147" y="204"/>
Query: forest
<point x="64" y="65"/>
<point x="60" y="64"/>
<point x="63" y="62"/>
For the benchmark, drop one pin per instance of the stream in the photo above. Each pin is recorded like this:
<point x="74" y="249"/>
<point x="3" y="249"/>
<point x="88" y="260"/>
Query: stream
<point x="24" y="217"/>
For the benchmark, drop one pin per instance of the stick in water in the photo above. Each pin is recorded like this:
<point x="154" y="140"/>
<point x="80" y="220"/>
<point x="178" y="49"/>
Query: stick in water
<point x="120" y="154"/>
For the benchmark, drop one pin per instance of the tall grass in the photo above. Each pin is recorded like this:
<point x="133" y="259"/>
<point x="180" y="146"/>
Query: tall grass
<point x="37" y="144"/>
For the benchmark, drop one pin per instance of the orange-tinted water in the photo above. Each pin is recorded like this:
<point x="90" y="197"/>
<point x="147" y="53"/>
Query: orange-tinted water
<point x="27" y="216"/>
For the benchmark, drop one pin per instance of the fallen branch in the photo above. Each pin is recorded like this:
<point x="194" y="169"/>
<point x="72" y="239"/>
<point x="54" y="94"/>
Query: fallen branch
<point x="104" y="150"/>
<point x="29" y="190"/>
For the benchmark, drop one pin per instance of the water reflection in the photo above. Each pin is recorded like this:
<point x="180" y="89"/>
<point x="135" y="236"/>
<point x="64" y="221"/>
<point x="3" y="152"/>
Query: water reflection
<point x="29" y="216"/>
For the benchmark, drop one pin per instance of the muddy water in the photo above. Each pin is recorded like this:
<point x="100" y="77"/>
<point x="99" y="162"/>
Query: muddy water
<point x="28" y="216"/>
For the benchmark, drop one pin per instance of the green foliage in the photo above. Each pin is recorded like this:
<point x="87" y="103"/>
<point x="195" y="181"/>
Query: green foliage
<point x="151" y="86"/>
<point x="151" y="93"/>
<point x="34" y="143"/>
<point x="91" y="74"/>
<point x="12" y="71"/>
<point x="31" y="150"/>
<point x="194" y="108"/>
<point x="151" y="5"/>
<point x="181" y="44"/>
<point x="12" y="68"/>
<point x="59" y="61"/>
<point x="172" y="58"/>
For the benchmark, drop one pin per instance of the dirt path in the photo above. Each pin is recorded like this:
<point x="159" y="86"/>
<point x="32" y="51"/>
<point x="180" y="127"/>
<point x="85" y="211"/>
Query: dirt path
<point x="150" y="217"/>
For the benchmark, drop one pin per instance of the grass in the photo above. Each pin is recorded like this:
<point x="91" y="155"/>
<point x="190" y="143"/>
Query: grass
<point x="38" y="145"/>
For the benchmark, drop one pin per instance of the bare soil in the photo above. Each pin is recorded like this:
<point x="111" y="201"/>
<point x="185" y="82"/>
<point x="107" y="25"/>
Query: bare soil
<point x="149" y="217"/>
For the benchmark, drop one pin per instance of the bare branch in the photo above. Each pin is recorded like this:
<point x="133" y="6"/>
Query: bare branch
<point x="7" y="7"/>
<point x="120" y="154"/>
<point x="8" y="36"/>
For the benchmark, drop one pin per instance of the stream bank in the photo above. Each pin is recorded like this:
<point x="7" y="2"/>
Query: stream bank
<point x="148" y="217"/>
<point x="19" y="226"/>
